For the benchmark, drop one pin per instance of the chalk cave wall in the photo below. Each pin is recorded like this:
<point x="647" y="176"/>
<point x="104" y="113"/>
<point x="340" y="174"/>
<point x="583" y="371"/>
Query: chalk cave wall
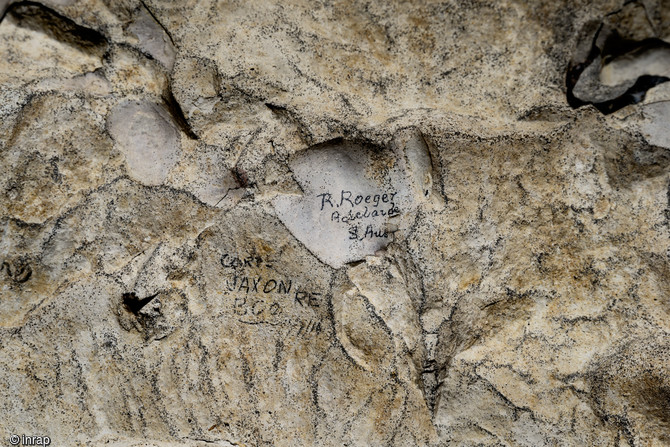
<point x="328" y="223"/>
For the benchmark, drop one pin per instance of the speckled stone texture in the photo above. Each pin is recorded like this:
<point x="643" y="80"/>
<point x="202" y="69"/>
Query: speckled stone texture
<point x="335" y="223"/>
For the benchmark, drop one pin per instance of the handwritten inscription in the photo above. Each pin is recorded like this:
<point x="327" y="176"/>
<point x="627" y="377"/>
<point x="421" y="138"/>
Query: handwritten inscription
<point x="306" y="327"/>
<point x="276" y="288"/>
<point x="258" y="299"/>
<point x="352" y="209"/>
<point x="231" y="261"/>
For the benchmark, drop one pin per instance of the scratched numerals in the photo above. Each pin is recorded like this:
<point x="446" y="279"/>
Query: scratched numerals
<point x="304" y="328"/>
<point x="360" y="212"/>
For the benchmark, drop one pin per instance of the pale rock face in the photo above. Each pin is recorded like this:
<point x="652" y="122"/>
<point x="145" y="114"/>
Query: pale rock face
<point x="335" y="223"/>
<point x="355" y="197"/>
<point x="655" y="124"/>
<point x="343" y="214"/>
<point x="144" y="134"/>
<point x="152" y="39"/>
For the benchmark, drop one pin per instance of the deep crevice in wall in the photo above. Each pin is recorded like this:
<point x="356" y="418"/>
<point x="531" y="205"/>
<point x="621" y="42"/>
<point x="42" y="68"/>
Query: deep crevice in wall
<point x="618" y="60"/>
<point x="41" y="18"/>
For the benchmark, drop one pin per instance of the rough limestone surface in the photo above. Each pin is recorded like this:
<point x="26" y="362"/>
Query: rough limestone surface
<point x="335" y="223"/>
